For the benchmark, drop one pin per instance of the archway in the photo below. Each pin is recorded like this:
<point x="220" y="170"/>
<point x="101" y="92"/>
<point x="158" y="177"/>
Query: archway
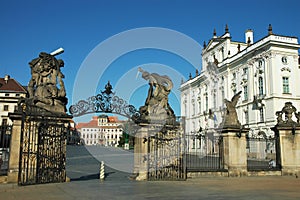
<point x="118" y="161"/>
<point x="159" y="137"/>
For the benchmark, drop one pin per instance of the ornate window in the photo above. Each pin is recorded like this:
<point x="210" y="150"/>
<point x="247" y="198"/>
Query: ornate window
<point x="234" y="76"/>
<point x="245" y="71"/>
<point x="215" y="100"/>
<point x="193" y="107"/>
<point x="285" y="85"/>
<point x="206" y="103"/>
<point x="223" y="94"/>
<point x="260" y="86"/>
<point x="261" y="115"/>
<point x="245" y="92"/>
<point x="222" y="79"/>
<point x="4" y="121"/>
<point x="234" y="91"/>
<point x="246" y="116"/>
<point x="5" y="108"/>
<point x="199" y="104"/>
<point x="284" y="60"/>
<point x="260" y="63"/>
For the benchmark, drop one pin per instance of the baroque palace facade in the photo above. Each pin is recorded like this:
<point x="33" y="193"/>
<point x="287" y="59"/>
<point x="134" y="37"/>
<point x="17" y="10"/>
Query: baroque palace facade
<point x="266" y="72"/>
<point x="101" y="130"/>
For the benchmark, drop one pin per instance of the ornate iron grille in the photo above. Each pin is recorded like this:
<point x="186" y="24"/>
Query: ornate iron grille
<point x="104" y="102"/>
<point x="262" y="153"/>
<point x="165" y="158"/>
<point x="43" y="147"/>
<point x="204" y="153"/>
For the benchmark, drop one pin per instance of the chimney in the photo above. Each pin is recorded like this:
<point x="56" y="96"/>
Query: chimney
<point x="6" y="78"/>
<point x="249" y="36"/>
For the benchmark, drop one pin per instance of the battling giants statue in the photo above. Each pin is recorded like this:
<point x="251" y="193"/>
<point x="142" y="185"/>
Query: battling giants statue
<point x="46" y="88"/>
<point x="157" y="108"/>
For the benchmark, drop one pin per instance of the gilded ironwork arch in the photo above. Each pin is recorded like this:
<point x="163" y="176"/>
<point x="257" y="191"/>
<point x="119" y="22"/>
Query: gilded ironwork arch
<point x="104" y="102"/>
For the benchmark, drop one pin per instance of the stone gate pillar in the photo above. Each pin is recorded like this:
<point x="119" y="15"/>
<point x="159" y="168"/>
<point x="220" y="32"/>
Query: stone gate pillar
<point x="289" y="144"/>
<point x="141" y="153"/>
<point x="234" y="151"/>
<point x="288" y="132"/>
<point x="234" y="140"/>
<point x="289" y="149"/>
<point x="14" y="157"/>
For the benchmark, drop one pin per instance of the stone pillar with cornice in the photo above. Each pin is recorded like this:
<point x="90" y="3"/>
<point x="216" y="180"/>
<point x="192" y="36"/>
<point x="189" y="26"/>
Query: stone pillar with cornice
<point x="288" y="132"/>
<point x="234" y="140"/>
<point x="141" y="154"/>
<point x="234" y="150"/>
<point x="14" y="157"/>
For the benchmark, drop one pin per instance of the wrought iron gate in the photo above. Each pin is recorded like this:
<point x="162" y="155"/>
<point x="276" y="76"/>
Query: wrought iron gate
<point x="262" y="153"/>
<point x="43" y="147"/>
<point x="166" y="156"/>
<point x="204" y="153"/>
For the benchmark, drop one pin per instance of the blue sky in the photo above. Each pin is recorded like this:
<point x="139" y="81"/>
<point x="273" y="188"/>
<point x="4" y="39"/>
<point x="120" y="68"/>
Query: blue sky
<point x="90" y="31"/>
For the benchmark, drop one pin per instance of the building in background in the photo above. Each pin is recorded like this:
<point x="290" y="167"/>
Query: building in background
<point x="266" y="71"/>
<point x="101" y="130"/>
<point x="10" y="93"/>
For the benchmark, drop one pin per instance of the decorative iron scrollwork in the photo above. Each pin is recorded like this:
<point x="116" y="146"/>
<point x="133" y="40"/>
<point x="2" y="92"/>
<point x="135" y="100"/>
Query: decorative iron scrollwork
<point x="106" y="101"/>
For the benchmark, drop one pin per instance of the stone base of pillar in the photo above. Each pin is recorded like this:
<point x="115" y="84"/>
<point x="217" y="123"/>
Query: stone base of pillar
<point x="12" y="176"/>
<point x="237" y="172"/>
<point x="142" y="176"/>
<point x="290" y="171"/>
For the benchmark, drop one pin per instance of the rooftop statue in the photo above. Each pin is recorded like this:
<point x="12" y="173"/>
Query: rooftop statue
<point x="157" y="108"/>
<point x="46" y="87"/>
<point x="230" y="118"/>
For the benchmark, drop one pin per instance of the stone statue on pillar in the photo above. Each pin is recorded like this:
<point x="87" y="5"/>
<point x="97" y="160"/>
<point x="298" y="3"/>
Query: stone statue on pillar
<point x="157" y="108"/>
<point x="46" y="87"/>
<point x="286" y="115"/>
<point x="231" y="118"/>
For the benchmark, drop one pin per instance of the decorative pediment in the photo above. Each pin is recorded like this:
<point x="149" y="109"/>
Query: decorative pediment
<point x="214" y="42"/>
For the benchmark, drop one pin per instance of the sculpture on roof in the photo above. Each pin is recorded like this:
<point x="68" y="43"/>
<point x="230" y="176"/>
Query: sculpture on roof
<point x="46" y="87"/>
<point x="230" y="118"/>
<point x="157" y="108"/>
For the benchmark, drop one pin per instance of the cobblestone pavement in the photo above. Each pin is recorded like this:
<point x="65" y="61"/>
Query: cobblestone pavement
<point x="83" y="169"/>
<point x="201" y="188"/>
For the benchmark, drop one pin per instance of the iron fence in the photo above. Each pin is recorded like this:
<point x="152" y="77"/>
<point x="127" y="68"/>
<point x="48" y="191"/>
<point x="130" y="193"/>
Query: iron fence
<point x="262" y="154"/>
<point x="165" y="159"/>
<point x="204" y="153"/>
<point x="5" y="135"/>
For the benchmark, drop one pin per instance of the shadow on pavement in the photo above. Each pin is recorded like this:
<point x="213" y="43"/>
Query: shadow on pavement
<point x="82" y="166"/>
